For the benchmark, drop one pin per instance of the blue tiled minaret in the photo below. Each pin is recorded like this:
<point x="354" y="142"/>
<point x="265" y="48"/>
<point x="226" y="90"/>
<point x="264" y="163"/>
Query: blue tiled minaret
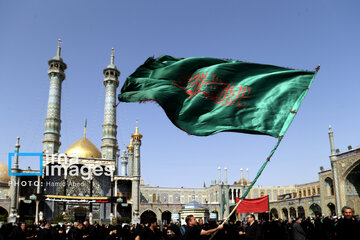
<point x="51" y="142"/>
<point x="124" y="163"/>
<point x="14" y="187"/>
<point x="136" y="175"/>
<point x="109" y="145"/>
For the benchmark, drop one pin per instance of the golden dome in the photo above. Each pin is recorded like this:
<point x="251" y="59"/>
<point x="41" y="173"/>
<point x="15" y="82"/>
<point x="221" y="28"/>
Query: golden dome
<point x="84" y="148"/>
<point x="131" y="146"/>
<point x="242" y="181"/>
<point x="4" y="175"/>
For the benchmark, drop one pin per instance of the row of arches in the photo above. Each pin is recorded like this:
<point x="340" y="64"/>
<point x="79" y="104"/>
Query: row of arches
<point x="293" y="212"/>
<point x="146" y="215"/>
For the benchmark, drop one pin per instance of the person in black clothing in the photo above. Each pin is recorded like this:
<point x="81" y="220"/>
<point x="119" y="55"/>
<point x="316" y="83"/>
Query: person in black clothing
<point x="173" y="233"/>
<point x="19" y="232"/>
<point x="347" y="228"/>
<point x="253" y="231"/>
<point x="79" y="233"/>
<point x="113" y="235"/>
<point x="151" y="232"/>
<point x="193" y="232"/>
<point x="298" y="231"/>
<point x="328" y="229"/>
<point x="71" y="233"/>
<point x="88" y="230"/>
<point x="46" y="233"/>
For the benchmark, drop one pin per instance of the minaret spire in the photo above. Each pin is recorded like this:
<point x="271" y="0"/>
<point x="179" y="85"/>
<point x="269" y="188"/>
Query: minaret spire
<point x="59" y="48"/>
<point x="112" y="57"/>
<point x="130" y="149"/>
<point x="331" y="138"/>
<point x="247" y="176"/>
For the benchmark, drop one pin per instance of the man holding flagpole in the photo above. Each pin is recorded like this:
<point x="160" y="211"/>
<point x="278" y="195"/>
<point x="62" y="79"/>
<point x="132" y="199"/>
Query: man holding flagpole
<point x="193" y="232"/>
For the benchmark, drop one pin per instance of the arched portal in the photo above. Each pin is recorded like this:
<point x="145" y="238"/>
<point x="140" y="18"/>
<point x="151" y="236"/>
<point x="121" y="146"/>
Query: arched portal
<point x="166" y="217"/>
<point x="352" y="183"/>
<point x="292" y="212"/>
<point x="145" y="216"/>
<point x="124" y="211"/>
<point x="3" y="214"/>
<point x="27" y="210"/>
<point x="331" y="207"/>
<point x="301" y="212"/>
<point x="274" y="213"/>
<point x="285" y="213"/>
<point x="80" y="213"/>
<point x="329" y="187"/>
<point x="315" y="210"/>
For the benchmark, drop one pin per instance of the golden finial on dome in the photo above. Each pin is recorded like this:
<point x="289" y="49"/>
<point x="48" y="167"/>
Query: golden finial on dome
<point x="85" y="128"/>
<point x="137" y="136"/>
<point x="83" y="148"/>
<point x="131" y="146"/>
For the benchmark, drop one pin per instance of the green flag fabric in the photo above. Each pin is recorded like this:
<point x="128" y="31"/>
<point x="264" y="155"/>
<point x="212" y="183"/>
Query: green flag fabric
<point x="204" y="96"/>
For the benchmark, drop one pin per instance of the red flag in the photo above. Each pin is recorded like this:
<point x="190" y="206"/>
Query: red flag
<point x="253" y="205"/>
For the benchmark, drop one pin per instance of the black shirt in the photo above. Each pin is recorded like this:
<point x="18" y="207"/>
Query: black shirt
<point x="192" y="233"/>
<point x="254" y="232"/>
<point x="347" y="229"/>
<point x="148" y="234"/>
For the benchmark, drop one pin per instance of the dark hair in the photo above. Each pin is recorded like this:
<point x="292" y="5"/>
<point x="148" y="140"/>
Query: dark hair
<point x="347" y="207"/>
<point x="188" y="218"/>
<point x="152" y="219"/>
<point x="252" y="215"/>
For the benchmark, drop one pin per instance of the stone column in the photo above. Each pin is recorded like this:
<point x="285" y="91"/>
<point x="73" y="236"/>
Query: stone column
<point x="333" y="159"/>
<point x="227" y="200"/>
<point x="219" y="172"/>
<point x="37" y="211"/>
<point x="115" y="209"/>
<point x="221" y="202"/>
<point x="225" y="169"/>
<point x="334" y="167"/>
<point x="115" y="189"/>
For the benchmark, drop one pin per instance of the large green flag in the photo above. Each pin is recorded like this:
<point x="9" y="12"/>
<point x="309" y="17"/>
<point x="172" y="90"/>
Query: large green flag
<point x="204" y="96"/>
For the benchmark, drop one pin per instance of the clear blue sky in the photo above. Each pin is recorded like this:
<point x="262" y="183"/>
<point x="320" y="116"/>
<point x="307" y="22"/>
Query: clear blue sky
<point x="296" y="34"/>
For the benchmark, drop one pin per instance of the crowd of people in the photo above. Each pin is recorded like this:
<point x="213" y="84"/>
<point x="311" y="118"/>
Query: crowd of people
<point x="320" y="228"/>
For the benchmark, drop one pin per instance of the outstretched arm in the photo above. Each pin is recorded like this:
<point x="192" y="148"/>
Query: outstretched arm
<point x="210" y="231"/>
